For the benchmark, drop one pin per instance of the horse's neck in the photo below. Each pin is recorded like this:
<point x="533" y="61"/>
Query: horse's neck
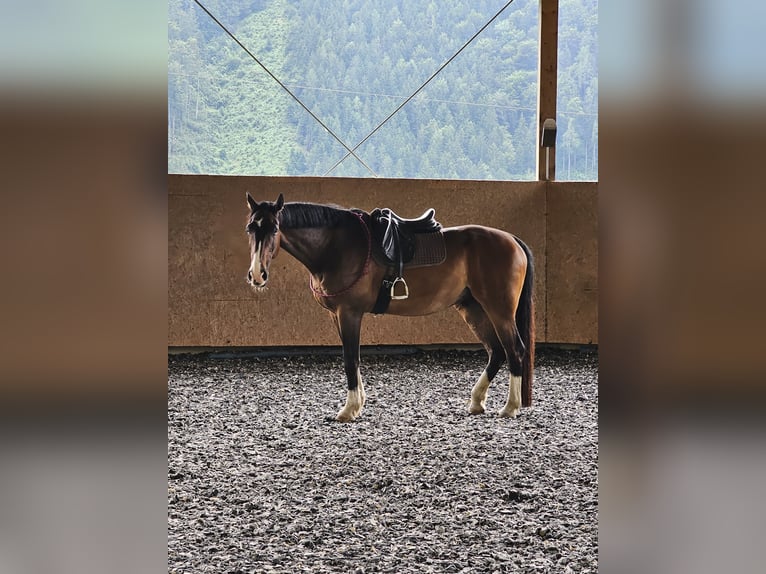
<point x="312" y="246"/>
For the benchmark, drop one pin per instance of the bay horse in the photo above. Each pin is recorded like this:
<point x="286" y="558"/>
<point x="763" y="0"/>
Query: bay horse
<point x="487" y="276"/>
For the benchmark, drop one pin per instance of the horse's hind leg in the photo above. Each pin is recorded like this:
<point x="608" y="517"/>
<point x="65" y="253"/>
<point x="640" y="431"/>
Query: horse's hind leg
<point x="512" y="347"/>
<point x="515" y="354"/>
<point x="499" y="294"/>
<point x="474" y="315"/>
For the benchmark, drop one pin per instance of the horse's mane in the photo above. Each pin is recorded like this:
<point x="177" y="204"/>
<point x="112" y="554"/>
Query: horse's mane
<point x="299" y="215"/>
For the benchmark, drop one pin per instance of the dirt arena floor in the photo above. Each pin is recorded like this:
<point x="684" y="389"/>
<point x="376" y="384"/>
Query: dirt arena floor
<point x="260" y="479"/>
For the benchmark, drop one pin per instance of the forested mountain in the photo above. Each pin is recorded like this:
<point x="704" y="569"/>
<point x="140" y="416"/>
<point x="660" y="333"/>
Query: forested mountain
<point x="352" y="62"/>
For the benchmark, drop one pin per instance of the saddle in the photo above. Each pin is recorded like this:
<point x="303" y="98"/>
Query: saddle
<point x="397" y="238"/>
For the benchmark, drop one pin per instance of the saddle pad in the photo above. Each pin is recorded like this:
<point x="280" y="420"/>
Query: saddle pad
<point x="430" y="249"/>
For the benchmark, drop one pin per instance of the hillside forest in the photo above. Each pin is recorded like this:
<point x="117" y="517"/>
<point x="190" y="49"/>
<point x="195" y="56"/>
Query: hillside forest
<point x="352" y="62"/>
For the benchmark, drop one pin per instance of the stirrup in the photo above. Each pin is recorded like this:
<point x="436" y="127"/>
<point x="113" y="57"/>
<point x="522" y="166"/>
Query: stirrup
<point x="393" y="288"/>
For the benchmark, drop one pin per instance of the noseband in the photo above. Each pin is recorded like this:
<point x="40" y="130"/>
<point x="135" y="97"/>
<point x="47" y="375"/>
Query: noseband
<point x="365" y="269"/>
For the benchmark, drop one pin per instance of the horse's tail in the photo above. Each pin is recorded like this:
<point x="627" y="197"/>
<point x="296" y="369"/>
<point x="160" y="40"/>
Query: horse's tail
<point x="525" y="323"/>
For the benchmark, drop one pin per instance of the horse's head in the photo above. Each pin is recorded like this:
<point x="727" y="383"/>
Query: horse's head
<point x="263" y="233"/>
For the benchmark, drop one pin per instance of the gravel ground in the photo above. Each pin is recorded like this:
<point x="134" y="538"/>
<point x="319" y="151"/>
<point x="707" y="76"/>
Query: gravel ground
<point x="261" y="480"/>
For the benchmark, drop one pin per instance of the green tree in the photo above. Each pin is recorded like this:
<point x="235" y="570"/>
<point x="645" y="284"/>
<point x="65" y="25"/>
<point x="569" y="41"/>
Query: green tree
<point x="352" y="62"/>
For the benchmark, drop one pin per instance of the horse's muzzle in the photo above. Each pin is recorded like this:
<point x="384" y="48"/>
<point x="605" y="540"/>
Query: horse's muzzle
<point x="256" y="284"/>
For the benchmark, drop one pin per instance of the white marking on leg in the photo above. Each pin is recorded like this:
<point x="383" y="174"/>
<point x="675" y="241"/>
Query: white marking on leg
<point x="511" y="408"/>
<point x="479" y="395"/>
<point x="360" y="389"/>
<point x="354" y="402"/>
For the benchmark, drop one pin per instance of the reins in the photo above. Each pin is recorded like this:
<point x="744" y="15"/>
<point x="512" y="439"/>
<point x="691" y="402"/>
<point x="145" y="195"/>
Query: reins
<point x="364" y="271"/>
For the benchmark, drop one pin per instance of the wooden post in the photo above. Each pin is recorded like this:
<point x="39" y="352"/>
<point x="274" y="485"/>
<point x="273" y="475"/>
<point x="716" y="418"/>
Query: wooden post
<point x="547" y="81"/>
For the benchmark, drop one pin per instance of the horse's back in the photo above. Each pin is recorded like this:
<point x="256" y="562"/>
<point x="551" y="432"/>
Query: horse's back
<point x="484" y="239"/>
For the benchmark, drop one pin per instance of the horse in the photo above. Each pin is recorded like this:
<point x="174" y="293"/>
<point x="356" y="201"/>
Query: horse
<point x="487" y="276"/>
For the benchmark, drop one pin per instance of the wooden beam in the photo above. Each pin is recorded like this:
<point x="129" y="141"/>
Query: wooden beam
<point x="547" y="81"/>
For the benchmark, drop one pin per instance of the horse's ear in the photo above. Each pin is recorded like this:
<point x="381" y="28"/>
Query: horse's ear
<point x="251" y="202"/>
<point x="280" y="203"/>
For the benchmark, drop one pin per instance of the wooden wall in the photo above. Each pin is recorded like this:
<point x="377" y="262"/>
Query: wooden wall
<point x="209" y="304"/>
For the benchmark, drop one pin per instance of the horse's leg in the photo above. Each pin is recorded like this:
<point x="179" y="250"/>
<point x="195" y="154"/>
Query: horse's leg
<point x="349" y="327"/>
<point x="513" y="349"/>
<point x="515" y="354"/>
<point x="473" y="314"/>
<point x="502" y="318"/>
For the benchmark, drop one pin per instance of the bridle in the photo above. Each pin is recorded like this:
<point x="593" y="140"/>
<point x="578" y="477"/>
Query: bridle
<point x="365" y="269"/>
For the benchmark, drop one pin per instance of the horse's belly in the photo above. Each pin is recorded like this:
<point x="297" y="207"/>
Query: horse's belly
<point x="430" y="290"/>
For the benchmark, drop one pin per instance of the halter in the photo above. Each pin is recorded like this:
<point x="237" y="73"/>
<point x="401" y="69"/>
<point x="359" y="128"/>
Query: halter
<point x="364" y="271"/>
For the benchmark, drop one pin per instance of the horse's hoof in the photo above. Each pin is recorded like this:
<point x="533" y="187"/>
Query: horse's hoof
<point x="507" y="413"/>
<point x="476" y="409"/>
<point x="353" y="408"/>
<point x="345" y="416"/>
